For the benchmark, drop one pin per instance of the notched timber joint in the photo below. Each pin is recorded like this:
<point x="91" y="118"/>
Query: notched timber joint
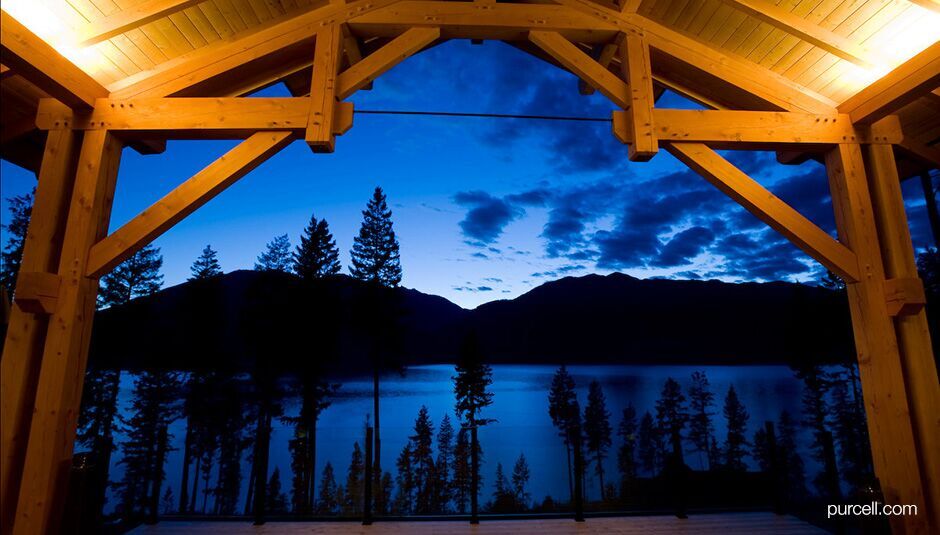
<point x="37" y="293"/>
<point x="904" y="296"/>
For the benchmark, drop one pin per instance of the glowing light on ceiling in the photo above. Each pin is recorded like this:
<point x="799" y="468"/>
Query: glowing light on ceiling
<point x="50" y="27"/>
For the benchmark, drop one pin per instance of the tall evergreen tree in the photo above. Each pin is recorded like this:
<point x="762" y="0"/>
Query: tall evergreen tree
<point x="851" y="429"/>
<point x="701" y="400"/>
<point x="520" y="478"/>
<point x="154" y="406"/>
<point x="646" y="445"/>
<point x="315" y="398"/>
<point x="375" y="250"/>
<point x="444" y="466"/>
<point x="354" y="483"/>
<point x="597" y="430"/>
<point x="316" y="256"/>
<point x="562" y="399"/>
<point x="328" y="499"/>
<point x="375" y="260"/>
<point x="626" y="456"/>
<point x="471" y="388"/>
<point x="276" y="500"/>
<point x="138" y="275"/>
<point x="791" y="462"/>
<point x="20" y="207"/>
<point x="503" y="498"/>
<point x="405" y="482"/>
<point x="206" y="266"/>
<point x="817" y="383"/>
<point x="462" y="479"/>
<point x="736" y="440"/>
<point x="762" y="451"/>
<point x="276" y="256"/>
<point x="671" y="414"/>
<point x="422" y="462"/>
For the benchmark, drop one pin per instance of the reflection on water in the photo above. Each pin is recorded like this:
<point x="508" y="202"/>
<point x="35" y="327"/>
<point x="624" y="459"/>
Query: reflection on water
<point x="520" y="407"/>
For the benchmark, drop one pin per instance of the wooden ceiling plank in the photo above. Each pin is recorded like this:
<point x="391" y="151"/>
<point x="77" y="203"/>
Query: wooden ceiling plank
<point x="201" y="65"/>
<point x="128" y="19"/>
<point x="784" y="20"/>
<point x="912" y="79"/>
<point x="37" y="61"/>
<point x="723" y="71"/>
<point x="583" y="66"/>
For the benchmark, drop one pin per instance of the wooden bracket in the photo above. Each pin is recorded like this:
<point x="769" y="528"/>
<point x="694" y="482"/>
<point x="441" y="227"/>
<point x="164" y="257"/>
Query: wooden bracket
<point x="904" y="296"/>
<point x="37" y="293"/>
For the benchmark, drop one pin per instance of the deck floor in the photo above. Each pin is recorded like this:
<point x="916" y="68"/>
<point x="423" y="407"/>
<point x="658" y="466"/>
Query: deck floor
<point x="724" y="524"/>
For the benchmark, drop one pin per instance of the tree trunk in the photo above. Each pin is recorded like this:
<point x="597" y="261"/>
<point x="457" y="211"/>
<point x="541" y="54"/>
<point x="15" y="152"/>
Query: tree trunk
<point x="312" y="466"/>
<point x="474" y="475"/>
<point x="570" y="481"/>
<point x="251" y="483"/>
<point x="377" y="463"/>
<point x="157" y="481"/>
<point x="600" y="475"/>
<point x="187" y="459"/>
<point x="261" y="461"/>
<point x="192" y="498"/>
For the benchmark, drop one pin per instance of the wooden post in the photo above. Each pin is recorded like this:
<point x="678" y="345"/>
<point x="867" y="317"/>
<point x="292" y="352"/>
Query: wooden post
<point x="889" y="425"/>
<point x="327" y="57"/>
<point x="26" y="333"/>
<point x="635" y="63"/>
<point x="917" y="360"/>
<point x="58" y="394"/>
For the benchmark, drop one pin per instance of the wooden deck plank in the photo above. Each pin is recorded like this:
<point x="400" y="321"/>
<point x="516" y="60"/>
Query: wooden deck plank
<point x="724" y="524"/>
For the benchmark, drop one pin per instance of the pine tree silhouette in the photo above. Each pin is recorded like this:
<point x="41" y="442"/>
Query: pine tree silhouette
<point x="561" y="402"/>
<point x="701" y="429"/>
<point x="328" y="499"/>
<point x="422" y="462"/>
<point x="471" y="388"/>
<point x="626" y="455"/>
<point x="817" y="384"/>
<point x="736" y="440"/>
<point x="520" y="478"/>
<point x="597" y="431"/>
<point x="404" y="482"/>
<point x="316" y="256"/>
<point x="352" y="504"/>
<point x="276" y="500"/>
<point x="646" y="445"/>
<point x="20" y="207"/>
<point x="206" y="265"/>
<point x="375" y="260"/>
<point x="443" y="467"/>
<point x="138" y="275"/>
<point x="276" y="256"/>
<point x="671" y="414"/>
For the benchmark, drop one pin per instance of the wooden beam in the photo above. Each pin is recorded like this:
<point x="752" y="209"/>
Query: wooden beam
<point x="377" y="63"/>
<point x="184" y="200"/>
<point x="635" y="64"/>
<point x="37" y="292"/>
<point x="910" y="80"/>
<point x="326" y="61"/>
<point x="893" y="444"/>
<point x="127" y="19"/>
<point x="26" y="333"/>
<point x="630" y="6"/>
<point x="352" y="50"/>
<point x="727" y="129"/>
<point x="191" y="118"/>
<point x="209" y="63"/>
<point x="583" y="66"/>
<point x="58" y="394"/>
<point x="932" y="5"/>
<point x="730" y="80"/>
<point x="904" y="288"/>
<point x="472" y="20"/>
<point x="768" y="208"/>
<point x="806" y="30"/>
<point x="40" y="63"/>
<point x="605" y="56"/>
<point x="915" y="148"/>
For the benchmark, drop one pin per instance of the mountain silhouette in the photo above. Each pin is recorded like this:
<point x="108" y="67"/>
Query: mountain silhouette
<point x="249" y="318"/>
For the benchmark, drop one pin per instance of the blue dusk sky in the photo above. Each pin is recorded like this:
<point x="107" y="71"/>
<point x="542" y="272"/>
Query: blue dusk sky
<point x="486" y="209"/>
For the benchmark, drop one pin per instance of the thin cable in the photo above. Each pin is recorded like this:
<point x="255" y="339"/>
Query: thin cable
<point x="485" y="115"/>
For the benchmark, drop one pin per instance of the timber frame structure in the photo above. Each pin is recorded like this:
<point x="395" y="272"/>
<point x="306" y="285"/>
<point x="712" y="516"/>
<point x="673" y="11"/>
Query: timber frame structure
<point x="623" y="51"/>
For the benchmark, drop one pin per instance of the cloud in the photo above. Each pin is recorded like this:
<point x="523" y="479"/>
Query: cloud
<point x="684" y="246"/>
<point x="487" y="216"/>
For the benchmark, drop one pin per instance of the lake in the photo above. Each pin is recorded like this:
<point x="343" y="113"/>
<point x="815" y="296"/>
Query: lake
<point x="520" y="406"/>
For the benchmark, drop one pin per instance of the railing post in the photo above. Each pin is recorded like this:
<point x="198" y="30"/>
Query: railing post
<point x="578" y="475"/>
<point x="367" y="493"/>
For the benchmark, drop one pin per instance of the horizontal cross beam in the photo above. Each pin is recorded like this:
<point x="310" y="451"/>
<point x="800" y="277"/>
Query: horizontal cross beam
<point x="190" y="118"/>
<point x="727" y="129"/>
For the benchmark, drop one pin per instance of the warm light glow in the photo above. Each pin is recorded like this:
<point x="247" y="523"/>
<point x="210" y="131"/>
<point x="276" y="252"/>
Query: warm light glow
<point x="50" y="27"/>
